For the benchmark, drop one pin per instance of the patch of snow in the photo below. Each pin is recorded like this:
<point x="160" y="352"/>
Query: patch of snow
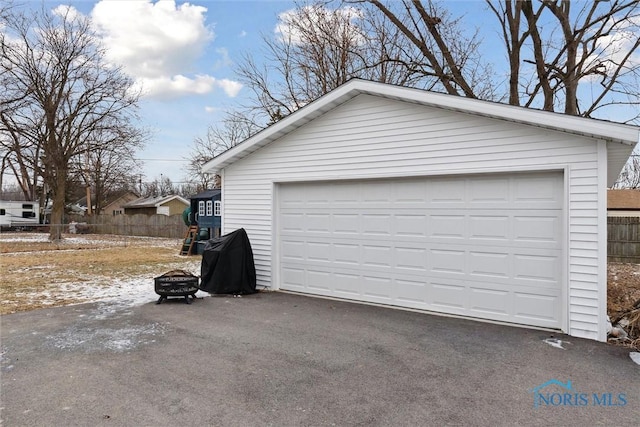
<point x="635" y="356"/>
<point x="30" y="237"/>
<point x="93" y="338"/>
<point x="556" y="343"/>
<point x="114" y="295"/>
<point x="120" y="291"/>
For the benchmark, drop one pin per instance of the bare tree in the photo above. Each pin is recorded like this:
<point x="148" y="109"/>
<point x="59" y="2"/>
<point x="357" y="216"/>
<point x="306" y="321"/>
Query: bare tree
<point x="63" y="96"/>
<point x="450" y="55"/>
<point x="18" y="156"/>
<point x="234" y="128"/>
<point x="594" y="49"/>
<point x="582" y="56"/>
<point x="106" y="169"/>
<point x="317" y="48"/>
<point x="630" y="175"/>
<point x="159" y="187"/>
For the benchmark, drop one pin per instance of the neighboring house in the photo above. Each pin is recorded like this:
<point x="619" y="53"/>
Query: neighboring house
<point x="164" y="205"/>
<point x="409" y="198"/>
<point x="115" y="206"/>
<point x="623" y="202"/>
<point x="205" y="209"/>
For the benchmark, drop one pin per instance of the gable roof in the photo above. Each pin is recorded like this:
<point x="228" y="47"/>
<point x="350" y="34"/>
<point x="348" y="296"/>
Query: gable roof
<point x="207" y="194"/>
<point x="591" y="128"/>
<point x="153" y="202"/>
<point x="623" y="199"/>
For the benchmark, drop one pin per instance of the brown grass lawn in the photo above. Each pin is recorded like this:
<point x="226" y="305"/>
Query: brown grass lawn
<point x="38" y="273"/>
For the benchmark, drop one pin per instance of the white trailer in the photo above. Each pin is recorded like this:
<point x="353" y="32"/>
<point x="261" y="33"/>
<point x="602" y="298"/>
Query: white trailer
<point x="19" y="213"/>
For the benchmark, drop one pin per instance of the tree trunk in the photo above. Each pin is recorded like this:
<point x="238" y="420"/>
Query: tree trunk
<point x="57" y="210"/>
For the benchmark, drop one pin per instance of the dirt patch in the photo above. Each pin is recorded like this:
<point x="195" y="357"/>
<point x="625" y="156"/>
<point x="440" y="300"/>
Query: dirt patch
<point x="623" y="301"/>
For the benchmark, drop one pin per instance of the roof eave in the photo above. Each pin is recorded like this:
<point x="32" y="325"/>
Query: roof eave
<point x="591" y="128"/>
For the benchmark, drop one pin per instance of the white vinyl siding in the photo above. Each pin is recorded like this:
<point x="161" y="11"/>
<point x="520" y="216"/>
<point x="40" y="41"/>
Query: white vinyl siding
<point x="374" y="137"/>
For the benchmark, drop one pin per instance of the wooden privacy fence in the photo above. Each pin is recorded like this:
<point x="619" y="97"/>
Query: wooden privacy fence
<point x="623" y="239"/>
<point x="132" y="225"/>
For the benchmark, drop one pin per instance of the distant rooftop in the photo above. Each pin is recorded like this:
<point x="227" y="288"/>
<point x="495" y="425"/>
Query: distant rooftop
<point x="623" y="199"/>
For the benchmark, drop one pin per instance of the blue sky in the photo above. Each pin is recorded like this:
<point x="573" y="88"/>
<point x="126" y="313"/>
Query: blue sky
<point x="183" y="55"/>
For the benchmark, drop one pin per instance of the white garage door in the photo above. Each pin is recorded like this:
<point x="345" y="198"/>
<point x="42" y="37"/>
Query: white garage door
<point x="486" y="246"/>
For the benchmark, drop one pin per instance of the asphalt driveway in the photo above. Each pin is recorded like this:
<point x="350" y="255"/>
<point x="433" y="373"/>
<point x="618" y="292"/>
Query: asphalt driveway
<point x="287" y="360"/>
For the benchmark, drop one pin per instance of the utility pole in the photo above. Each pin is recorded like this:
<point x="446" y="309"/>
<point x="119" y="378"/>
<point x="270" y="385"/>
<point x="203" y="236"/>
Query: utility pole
<point x="89" y="211"/>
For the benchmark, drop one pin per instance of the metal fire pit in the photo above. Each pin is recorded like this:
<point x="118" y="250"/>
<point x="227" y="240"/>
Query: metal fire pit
<point x="176" y="283"/>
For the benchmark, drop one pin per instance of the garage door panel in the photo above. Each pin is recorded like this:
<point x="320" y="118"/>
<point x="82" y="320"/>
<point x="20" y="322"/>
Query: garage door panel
<point x="446" y="191"/>
<point x="380" y="194"/>
<point x="447" y="261"/>
<point x="376" y="224"/>
<point x="292" y="250"/>
<point x="489" y="227"/>
<point x="411" y="291"/>
<point x="540" y="229"/>
<point x="346" y="223"/>
<point x="292" y="222"/>
<point x="318" y="222"/>
<point x="346" y="253"/>
<point x="535" y="307"/>
<point x="318" y="251"/>
<point x="411" y="259"/>
<point x="347" y="285"/>
<point x="539" y="268"/>
<point x="447" y="225"/>
<point x="485" y="300"/>
<point x="448" y="295"/>
<point x="377" y="288"/>
<point x="294" y="278"/>
<point x="409" y="194"/>
<point x="411" y="225"/>
<point x="541" y="190"/>
<point x="494" y="191"/>
<point x="486" y="247"/>
<point x="318" y="280"/>
<point x="377" y="256"/>
<point x="489" y="264"/>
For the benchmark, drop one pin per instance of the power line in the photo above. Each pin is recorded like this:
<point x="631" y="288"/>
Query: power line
<point x="163" y="160"/>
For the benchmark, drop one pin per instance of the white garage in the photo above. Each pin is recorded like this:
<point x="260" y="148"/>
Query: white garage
<point x="412" y="199"/>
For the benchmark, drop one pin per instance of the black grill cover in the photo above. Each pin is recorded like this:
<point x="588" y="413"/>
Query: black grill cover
<point x="227" y="265"/>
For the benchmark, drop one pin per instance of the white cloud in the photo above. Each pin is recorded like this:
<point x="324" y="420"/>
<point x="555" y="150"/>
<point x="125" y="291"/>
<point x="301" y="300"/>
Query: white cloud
<point x="313" y="17"/>
<point x="178" y="85"/>
<point x="68" y="11"/>
<point x="158" y="44"/>
<point x="230" y="87"/>
<point x="612" y="48"/>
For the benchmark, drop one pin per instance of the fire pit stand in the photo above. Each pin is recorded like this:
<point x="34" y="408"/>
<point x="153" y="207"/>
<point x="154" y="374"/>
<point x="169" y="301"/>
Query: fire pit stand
<point x="176" y="283"/>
